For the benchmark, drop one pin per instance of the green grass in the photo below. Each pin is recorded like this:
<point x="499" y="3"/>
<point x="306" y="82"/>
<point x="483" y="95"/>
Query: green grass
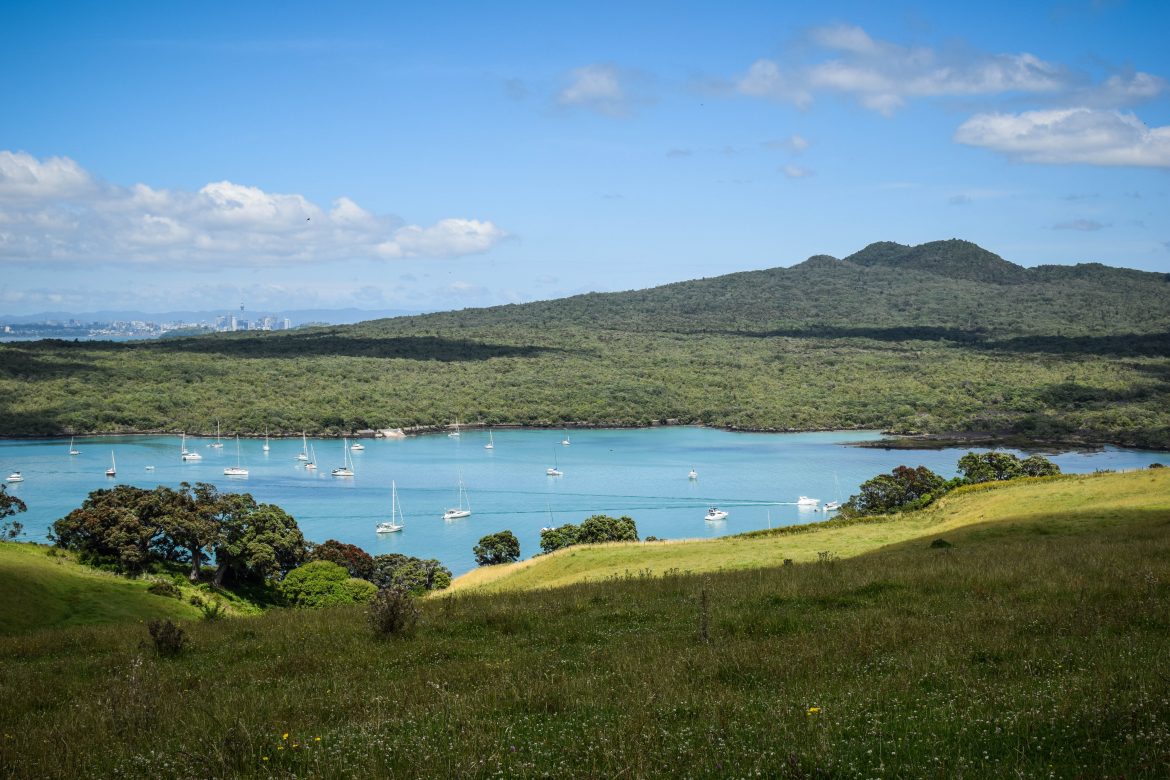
<point x="51" y="591"/>
<point x="1066" y="504"/>
<point x="1034" y="647"/>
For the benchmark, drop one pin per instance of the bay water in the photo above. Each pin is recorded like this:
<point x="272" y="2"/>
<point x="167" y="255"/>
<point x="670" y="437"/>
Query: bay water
<point x="756" y="477"/>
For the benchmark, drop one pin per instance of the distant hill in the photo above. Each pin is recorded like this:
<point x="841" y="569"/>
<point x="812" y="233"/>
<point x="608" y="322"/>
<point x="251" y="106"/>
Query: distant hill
<point x="938" y="338"/>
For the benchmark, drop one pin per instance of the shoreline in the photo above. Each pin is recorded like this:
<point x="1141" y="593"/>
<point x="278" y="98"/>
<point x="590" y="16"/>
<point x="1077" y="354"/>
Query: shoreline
<point x="891" y="441"/>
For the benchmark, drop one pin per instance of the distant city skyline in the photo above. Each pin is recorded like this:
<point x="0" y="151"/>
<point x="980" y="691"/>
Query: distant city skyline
<point x="442" y="156"/>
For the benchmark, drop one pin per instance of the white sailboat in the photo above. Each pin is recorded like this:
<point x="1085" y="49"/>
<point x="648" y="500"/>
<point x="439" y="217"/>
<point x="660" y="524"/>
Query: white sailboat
<point x="304" y="453"/>
<point x="112" y="471"/>
<point x="217" y="444"/>
<point x="265" y="447"/>
<point x="71" y="450"/>
<point x="187" y="454"/>
<point x="236" y="470"/>
<point x="396" y="521"/>
<point x="835" y="504"/>
<point x="714" y="513"/>
<point x="464" y="508"/>
<point x="455" y="433"/>
<point x="346" y="468"/>
<point x="565" y="441"/>
<point x="555" y="470"/>
<point x="312" y="464"/>
<point x="491" y="445"/>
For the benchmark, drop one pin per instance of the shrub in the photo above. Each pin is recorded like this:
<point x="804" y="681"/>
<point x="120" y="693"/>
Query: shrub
<point x="594" y="530"/>
<point x="168" y="589"/>
<point x="940" y="544"/>
<point x="356" y="561"/>
<point x="393" y="612"/>
<point x="414" y="574"/>
<point x="167" y="637"/>
<point x="324" y="584"/>
<point x="502" y="547"/>
<point x="1157" y="466"/>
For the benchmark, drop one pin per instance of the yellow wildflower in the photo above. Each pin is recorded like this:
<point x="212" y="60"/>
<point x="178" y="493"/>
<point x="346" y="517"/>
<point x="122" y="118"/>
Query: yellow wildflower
<point x="284" y="736"/>
<point x="813" y="710"/>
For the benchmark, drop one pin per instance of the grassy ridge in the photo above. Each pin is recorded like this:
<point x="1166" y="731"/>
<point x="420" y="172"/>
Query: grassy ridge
<point x="44" y="591"/>
<point x="1065" y="504"/>
<point x="1006" y="655"/>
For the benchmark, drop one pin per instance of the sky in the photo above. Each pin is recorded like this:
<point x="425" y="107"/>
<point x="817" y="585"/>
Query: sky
<point x="428" y="156"/>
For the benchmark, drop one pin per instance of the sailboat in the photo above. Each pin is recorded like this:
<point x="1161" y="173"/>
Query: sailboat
<point x="834" y="505"/>
<point x="112" y="471"/>
<point x="265" y="447"/>
<point x="491" y="445"/>
<point x="555" y="470"/>
<point x="188" y="454"/>
<point x="312" y="464"/>
<point x="346" y="468"/>
<point x="71" y="450"/>
<point x="565" y="441"/>
<point x="217" y="444"/>
<point x="396" y="521"/>
<point x="236" y="470"/>
<point x="464" y="509"/>
<point x="304" y="453"/>
<point x="455" y="433"/>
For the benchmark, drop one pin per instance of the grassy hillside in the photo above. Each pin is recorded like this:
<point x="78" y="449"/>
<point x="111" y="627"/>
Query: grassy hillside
<point x="1034" y="647"/>
<point x="1065" y="505"/>
<point x="53" y="591"/>
<point x="940" y="337"/>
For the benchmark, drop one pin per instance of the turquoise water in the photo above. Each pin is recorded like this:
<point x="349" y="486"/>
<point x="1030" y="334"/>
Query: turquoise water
<point x="755" y="477"/>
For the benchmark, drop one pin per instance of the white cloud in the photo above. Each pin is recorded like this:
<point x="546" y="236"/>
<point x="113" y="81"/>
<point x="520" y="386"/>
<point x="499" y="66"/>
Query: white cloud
<point x="1072" y="135"/>
<point x="24" y="177"/>
<point x="1084" y="225"/>
<point x="884" y="76"/>
<point x="793" y="143"/>
<point x="795" y="171"/>
<point x="603" y="88"/>
<point x="54" y="211"/>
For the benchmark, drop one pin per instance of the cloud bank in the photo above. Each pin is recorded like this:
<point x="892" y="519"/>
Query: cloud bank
<point x="53" y="211"/>
<point x="1074" y="135"/>
<point x="883" y="76"/>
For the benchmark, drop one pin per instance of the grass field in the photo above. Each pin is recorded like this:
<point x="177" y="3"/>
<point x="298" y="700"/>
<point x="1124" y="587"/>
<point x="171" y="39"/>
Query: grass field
<point x="1034" y="647"/>
<point x="1065" y="504"/>
<point x="42" y="590"/>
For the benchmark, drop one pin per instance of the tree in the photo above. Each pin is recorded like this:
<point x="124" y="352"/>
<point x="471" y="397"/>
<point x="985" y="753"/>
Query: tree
<point x="324" y="584"/>
<point x="9" y="506"/>
<point x="603" y="528"/>
<point x="119" y="526"/>
<point x="989" y="466"/>
<point x="190" y="517"/>
<point x="356" y="561"/>
<point x="502" y="547"/>
<point x="1038" y="466"/>
<point x="897" y="490"/>
<point x="255" y="542"/>
<point x="556" y="538"/>
<point x="394" y="570"/>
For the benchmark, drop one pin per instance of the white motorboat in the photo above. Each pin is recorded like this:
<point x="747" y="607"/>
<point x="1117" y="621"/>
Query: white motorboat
<point x="806" y="501"/>
<point x="396" y="521"/>
<point x="357" y="446"/>
<point x="692" y="474"/>
<point x="715" y="514"/>
<point x="15" y="476"/>
<point x="832" y="506"/>
<point x="464" y="508"/>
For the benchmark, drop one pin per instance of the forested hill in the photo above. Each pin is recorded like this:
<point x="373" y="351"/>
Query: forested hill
<point x="937" y="338"/>
<point x="956" y="287"/>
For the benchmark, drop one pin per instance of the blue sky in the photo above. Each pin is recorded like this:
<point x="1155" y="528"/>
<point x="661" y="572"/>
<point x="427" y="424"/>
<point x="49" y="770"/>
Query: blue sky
<point x="438" y="155"/>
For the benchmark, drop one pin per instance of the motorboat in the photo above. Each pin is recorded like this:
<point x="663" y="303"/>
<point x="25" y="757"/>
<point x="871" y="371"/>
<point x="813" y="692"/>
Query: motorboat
<point x="692" y="474"/>
<point x="715" y="513"/>
<point x="15" y="476"/>
<point x="806" y="501"/>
